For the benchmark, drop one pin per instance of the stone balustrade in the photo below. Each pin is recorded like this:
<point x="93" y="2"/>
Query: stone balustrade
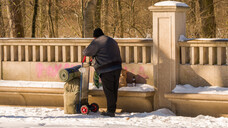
<point x="69" y="50"/>
<point x="43" y="58"/>
<point x="204" y="52"/>
<point x="204" y="62"/>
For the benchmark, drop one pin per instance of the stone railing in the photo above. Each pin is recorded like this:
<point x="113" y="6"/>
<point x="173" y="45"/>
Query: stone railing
<point x="204" y="62"/>
<point x="69" y="50"/>
<point x="133" y="51"/>
<point x="204" y="52"/>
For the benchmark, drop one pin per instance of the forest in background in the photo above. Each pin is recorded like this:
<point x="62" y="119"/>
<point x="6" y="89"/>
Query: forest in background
<point x="117" y="18"/>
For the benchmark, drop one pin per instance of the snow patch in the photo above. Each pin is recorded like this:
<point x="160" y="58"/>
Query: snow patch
<point x="171" y="3"/>
<point x="200" y="90"/>
<point x="21" y="117"/>
<point x="10" y="83"/>
<point x="138" y="88"/>
<point x="163" y="112"/>
<point x="182" y="38"/>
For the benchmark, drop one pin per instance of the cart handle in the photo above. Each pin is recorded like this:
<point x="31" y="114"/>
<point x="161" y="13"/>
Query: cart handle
<point x="90" y="61"/>
<point x="84" y="59"/>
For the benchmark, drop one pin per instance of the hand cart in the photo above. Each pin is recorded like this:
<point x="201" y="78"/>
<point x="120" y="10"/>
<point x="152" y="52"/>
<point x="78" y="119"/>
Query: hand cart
<point x="83" y="106"/>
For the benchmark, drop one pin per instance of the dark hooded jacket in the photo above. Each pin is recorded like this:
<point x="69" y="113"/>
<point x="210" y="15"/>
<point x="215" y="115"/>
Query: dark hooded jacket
<point x="106" y="52"/>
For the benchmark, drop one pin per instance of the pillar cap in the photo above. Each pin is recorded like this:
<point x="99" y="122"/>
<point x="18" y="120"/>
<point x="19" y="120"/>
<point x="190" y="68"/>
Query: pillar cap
<point x="169" y="6"/>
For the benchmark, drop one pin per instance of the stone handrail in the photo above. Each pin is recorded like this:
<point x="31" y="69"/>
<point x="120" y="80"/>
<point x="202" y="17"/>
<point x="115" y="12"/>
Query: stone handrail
<point x="69" y="50"/>
<point x="205" y="51"/>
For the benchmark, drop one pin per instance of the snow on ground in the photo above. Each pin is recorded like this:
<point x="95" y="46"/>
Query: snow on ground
<point x="200" y="90"/>
<point x="11" y="83"/>
<point x="54" y="117"/>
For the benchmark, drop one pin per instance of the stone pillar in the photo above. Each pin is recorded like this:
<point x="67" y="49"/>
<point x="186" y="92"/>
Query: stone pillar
<point x="0" y="62"/>
<point x="168" y="24"/>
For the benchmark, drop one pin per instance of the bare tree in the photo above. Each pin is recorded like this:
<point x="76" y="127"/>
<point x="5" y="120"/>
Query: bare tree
<point x="208" y="25"/>
<point x="15" y="18"/>
<point x="97" y="22"/>
<point x="34" y="18"/>
<point x="115" y="19"/>
<point x="51" y="24"/>
<point x="89" y="17"/>
<point x="82" y="19"/>
<point x="56" y="18"/>
<point x="2" y="27"/>
<point x="118" y="18"/>
<point x="106" y="15"/>
<point x="121" y="19"/>
<point x="42" y="17"/>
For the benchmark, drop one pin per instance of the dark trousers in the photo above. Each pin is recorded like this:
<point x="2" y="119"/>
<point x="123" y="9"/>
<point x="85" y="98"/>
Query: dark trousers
<point x="110" y="82"/>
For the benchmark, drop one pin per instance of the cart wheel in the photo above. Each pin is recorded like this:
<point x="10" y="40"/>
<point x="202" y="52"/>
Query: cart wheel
<point x="95" y="107"/>
<point x="84" y="109"/>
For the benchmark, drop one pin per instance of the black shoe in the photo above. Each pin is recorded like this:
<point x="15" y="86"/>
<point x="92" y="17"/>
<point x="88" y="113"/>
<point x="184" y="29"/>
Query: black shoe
<point x="110" y="114"/>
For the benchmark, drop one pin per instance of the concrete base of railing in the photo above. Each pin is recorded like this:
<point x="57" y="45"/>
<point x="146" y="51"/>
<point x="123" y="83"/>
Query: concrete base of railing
<point x="25" y="96"/>
<point x="127" y="101"/>
<point x="53" y="97"/>
<point x="199" y="104"/>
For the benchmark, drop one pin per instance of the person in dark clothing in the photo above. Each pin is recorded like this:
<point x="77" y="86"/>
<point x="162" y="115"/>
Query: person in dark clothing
<point x="108" y="65"/>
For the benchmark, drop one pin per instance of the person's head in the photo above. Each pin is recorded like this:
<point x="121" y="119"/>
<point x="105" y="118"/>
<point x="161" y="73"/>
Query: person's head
<point x="97" y="33"/>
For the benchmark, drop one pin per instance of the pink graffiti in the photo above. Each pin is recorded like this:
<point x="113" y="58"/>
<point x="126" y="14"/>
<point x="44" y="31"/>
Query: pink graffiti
<point x="139" y="71"/>
<point x="39" y="69"/>
<point x="142" y="72"/>
<point x="50" y="70"/>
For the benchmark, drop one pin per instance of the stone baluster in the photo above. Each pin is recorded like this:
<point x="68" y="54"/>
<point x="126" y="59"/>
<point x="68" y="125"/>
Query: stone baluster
<point x="64" y="53"/>
<point x="203" y="55"/>
<point x="19" y="53"/>
<point x="212" y="55"/>
<point x="1" y="53"/>
<point x="127" y="54"/>
<point x="12" y="52"/>
<point x="136" y="54"/>
<point x="221" y="55"/>
<point x="49" y="53"/>
<point x="41" y="53"/>
<point x="72" y="53"/>
<point x="194" y="55"/>
<point x="79" y="54"/>
<point x="151" y="55"/>
<point x="144" y="54"/>
<point x="57" y="54"/>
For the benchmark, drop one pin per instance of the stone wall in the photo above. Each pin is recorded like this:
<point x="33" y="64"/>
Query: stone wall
<point x="42" y="59"/>
<point x="204" y="62"/>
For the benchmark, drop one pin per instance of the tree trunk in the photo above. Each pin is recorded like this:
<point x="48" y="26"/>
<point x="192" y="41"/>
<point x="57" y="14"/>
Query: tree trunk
<point x="15" y="18"/>
<point x="121" y="19"/>
<point x="106" y="17"/>
<point x="82" y="20"/>
<point x="34" y="19"/>
<point x="43" y="17"/>
<point x="98" y="14"/>
<point x="133" y="13"/>
<point x="24" y="15"/>
<point x="208" y="25"/>
<point x="56" y="17"/>
<point x="115" y="18"/>
<point x="51" y="24"/>
<point x="2" y="27"/>
<point x="89" y="18"/>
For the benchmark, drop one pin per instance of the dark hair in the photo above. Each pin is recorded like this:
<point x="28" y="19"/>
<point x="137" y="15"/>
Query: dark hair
<point x="97" y="32"/>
